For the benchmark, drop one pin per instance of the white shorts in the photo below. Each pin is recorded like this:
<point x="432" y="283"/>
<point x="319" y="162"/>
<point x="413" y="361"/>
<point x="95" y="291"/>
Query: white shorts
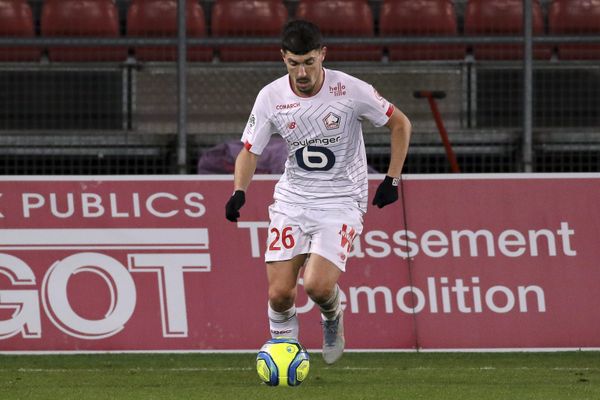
<point x="297" y="230"/>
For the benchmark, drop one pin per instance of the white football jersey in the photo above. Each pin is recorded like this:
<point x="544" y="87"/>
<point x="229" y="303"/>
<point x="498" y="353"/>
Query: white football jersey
<point x="326" y="166"/>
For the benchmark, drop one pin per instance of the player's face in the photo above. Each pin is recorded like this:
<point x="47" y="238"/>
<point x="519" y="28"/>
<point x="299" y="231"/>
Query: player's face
<point x="306" y="71"/>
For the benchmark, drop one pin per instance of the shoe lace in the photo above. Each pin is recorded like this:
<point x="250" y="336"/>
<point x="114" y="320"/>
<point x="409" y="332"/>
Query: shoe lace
<point x="331" y="330"/>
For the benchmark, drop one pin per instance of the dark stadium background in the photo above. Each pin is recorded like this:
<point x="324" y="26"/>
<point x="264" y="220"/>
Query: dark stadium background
<point x="118" y="109"/>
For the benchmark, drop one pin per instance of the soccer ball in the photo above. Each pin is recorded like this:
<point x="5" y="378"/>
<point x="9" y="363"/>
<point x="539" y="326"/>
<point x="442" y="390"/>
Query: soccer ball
<point x="282" y="362"/>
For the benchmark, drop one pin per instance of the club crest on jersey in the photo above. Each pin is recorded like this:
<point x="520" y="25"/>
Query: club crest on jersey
<point x="332" y="121"/>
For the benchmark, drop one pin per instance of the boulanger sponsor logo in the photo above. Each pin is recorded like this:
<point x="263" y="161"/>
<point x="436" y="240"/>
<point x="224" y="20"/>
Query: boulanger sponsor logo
<point x="313" y="155"/>
<point x="325" y="141"/>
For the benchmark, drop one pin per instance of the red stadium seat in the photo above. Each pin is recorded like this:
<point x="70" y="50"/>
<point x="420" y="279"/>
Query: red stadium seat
<point x="575" y="17"/>
<point x="343" y="18"/>
<point x="82" y="18"/>
<point x="420" y="18"/>
<point x="257" y="18"/>
<point x="16" y="20"/>
<point x="503" y="17"/>
<point x="158" y="18"/>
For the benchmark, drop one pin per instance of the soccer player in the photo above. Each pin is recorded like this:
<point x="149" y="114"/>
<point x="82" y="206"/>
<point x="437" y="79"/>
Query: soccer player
<point x="321" y="197"/>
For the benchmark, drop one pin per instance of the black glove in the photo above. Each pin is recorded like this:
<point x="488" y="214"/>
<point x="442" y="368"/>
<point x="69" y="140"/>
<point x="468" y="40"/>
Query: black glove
<point x="232" y="208"/>
<point x="387" y="192"/>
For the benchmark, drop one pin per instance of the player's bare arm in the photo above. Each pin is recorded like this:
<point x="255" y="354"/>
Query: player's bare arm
<point x="245" y="166"/>
<point x="400" y="130"/>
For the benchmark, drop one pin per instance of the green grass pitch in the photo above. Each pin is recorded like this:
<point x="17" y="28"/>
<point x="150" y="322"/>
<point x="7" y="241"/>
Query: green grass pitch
<point x="489" y="376"/>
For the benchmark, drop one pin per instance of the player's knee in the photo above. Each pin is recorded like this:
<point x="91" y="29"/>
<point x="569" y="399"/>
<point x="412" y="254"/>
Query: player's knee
<point x="281" y="298"/>
<point x="317" y="291"/>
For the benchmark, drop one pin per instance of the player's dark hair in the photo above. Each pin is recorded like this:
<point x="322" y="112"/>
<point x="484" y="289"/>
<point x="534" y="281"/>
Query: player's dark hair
<point x="300" y="37"/>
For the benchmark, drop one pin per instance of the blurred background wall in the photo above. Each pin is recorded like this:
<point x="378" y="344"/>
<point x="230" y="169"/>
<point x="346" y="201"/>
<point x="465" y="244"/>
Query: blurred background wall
<point x="98" y="86"/>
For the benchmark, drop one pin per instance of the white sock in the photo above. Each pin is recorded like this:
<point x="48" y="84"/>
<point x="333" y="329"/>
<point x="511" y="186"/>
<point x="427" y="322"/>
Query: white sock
<point x="331" y="308"/>
<point x="283" y="323"/>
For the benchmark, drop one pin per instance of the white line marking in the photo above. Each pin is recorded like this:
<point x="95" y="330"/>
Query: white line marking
<point x="103" y="237"/>
<point x="310" y="350"/>
<point x="275" y="177"/>
<point x="131" y="247"/>
<point x="241" y="369"/>
<point x="112" y="369"/>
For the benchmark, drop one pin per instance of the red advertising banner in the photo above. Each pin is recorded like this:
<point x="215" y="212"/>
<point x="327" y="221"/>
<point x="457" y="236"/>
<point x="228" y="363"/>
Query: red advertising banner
<point x="151" y="264"/>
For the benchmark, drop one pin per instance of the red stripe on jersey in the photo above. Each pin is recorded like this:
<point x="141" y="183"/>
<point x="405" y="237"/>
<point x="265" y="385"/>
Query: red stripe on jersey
<point x="247" y="145"/>
<point x="389" y="111"/>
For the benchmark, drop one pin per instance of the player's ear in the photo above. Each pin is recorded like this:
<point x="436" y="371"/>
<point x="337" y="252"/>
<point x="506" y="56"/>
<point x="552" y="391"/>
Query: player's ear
<point x="282" y="54"/>
<point x="323" y="53"/>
